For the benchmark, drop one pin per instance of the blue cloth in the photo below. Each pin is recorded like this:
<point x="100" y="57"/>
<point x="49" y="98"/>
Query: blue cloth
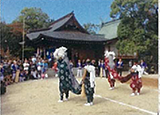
<point x="21" y="74"/>
<point x="40" y="64"/>
<point x="102" y="65"/>
<point x="79" y="65"/>
<point x="14" y="68"/>
<point x="71" y="65"/>
<point x="45" y="67"/>
<point x="143" y="65"/>
<point x="2" y="70"/>
<point x="119" y="64"/>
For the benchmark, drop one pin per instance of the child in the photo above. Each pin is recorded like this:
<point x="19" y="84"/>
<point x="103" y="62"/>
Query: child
<point x="21" y="76"/>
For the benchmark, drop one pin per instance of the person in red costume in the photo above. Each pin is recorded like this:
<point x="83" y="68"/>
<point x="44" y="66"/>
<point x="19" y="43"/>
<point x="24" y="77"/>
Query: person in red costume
<point x="110" y="68"/>
<point x="136" y="82"/>
<point x="135" y="74"/>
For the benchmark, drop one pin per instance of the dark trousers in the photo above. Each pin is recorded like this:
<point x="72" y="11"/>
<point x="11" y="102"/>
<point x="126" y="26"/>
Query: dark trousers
<point x="90" y="96"/>
<point x="119" y="71"/>
<point x="62" y="93"/>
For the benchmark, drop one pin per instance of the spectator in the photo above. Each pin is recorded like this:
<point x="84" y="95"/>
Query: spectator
<point x="83" y="63"/>
<point x="1" y="72"/>
<point x="39" y="68"/>
<point x="21" y="76"/>
<point x="34" y="59"/>
<point x="76" y="57"/>
<point x="143" y="66"/>
<point x="44" y="68"/>
<point x="33" y="71"/>
<point x="102" y="69"/>
<point x="119" y="67"/>
<point x="26" y="69"/>
<point x="55" y="68"/>
<point x="99" y="63"/>
<point x="71" y="65"/>
<point x="8" y="73"/>
<point x="130" y="64"/>
<point x="14" y="68"/>
<point x="93" y="62"/>
<point x="79" y="69"/>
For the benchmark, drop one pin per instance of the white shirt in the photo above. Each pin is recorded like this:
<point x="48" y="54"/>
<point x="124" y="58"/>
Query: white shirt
<point x="26" y="66"/>
<point x="138" y="69"/>
<point x="91" y="70"/>
<point x="34" y="60"/>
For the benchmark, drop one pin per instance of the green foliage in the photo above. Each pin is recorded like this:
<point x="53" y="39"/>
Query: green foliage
<point x="138" y="29"/>
<point x="9" y="40"/>
<point x="91" y="28"/>
<point x="34" y="18"/>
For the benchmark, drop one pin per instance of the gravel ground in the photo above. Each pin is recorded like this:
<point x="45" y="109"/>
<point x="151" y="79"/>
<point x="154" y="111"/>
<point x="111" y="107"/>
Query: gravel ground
<point x="39" y="97"/>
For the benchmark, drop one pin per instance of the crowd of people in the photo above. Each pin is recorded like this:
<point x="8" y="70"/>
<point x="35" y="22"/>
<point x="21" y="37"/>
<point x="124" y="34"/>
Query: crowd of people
<point x="100" y="67"/>
<point x="13" y="71"/>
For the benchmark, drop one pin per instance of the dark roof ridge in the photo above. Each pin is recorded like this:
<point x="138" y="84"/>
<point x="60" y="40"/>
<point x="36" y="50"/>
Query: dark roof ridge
<point x="37" y="30"/>
<point x="72" y="13"/>
<point x="112" y="21"/>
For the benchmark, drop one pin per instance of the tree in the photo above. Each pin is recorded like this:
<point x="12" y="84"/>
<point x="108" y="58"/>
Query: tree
<point x="138" y="29"/>
<point x="91" y="28"/>
<point x="34" y="18"/>
<point x="31" y="19"/>
<point x="9" y="40"/>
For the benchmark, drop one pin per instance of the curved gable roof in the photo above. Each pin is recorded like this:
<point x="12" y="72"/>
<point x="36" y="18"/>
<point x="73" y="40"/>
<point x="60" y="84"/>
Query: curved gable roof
<point x="57" y="25"/>
<point x="109" y="29"/>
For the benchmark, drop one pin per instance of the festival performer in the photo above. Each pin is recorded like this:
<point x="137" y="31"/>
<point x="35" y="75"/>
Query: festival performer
<point x="136" y="84"/>
<point x="89" y="82"/>
<point x="67" y="81"/>
<point x="110" y="68"/>
<point x="135" y="74"/>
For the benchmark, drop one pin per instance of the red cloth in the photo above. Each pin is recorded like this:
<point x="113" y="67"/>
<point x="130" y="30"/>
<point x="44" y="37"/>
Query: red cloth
<point x="112" y="71"/>
<point x="55" y="67"/>
<point x="136" y="82"/>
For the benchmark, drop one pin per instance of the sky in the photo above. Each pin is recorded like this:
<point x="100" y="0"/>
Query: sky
<point x="86" y="11"/>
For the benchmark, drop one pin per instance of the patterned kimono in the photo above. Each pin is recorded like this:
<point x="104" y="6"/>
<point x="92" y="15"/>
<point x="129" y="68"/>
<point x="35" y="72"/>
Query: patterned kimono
<point x="111" y="73"/>
<point x="136" y="82"/>
<point x="66" y="79"/>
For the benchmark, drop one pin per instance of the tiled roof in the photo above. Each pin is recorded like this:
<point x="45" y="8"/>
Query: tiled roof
<point x="55" y="25"/>
<point x="109" y="29"/>
<point x="76" y="36"/>
<point x="55" y="32"/>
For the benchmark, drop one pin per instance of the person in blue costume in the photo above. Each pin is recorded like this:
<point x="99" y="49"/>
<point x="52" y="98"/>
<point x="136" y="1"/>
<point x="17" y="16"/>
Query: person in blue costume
<point x="67" y="81"/>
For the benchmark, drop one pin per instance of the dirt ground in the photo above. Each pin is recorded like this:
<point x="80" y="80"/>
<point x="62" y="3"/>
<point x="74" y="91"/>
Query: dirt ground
<point x="39" y="97"/>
